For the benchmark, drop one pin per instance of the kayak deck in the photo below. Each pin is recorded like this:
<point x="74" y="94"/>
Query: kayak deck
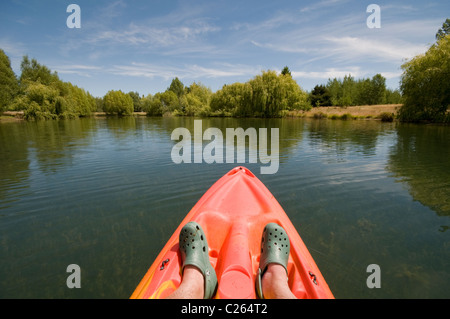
<point x="233" y="213"/>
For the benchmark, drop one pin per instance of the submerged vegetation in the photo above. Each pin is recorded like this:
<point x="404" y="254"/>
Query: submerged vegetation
<point x="424" y="92"/>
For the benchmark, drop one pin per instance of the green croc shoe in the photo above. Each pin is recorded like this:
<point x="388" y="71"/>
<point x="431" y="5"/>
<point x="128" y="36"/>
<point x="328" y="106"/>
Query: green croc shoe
<point x="194" y="251"/>
<point x="275" y="248"/>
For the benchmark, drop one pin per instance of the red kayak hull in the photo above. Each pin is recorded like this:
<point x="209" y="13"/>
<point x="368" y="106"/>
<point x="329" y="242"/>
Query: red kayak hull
<point x="233" y="213"/>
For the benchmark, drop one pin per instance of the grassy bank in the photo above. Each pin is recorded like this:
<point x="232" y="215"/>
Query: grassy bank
<point x="355" y="112"/>
<point x="11" y="116"/>
<point x="386" y="112"/>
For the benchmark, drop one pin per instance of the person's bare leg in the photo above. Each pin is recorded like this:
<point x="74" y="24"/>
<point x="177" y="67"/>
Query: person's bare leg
<point x="274" y="283"/>
<point x="192" y="285"/>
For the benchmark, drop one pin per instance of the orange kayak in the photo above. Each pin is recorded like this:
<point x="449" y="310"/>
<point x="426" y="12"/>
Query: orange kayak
<point x="233" y="213"/>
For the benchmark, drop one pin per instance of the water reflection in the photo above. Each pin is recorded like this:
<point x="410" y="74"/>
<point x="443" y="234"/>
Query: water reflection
<point x="105" y="194"/>
<point x="341" y="137"/>
<point x="421" y="160"/>
<point x="14" y="163"/>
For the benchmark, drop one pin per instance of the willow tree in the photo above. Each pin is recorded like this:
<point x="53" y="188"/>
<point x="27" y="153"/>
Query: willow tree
<point x="272" y="94"/>
<point x="425" y="85"/>
<point x="117" y="102"/>
<point x="9" y="86"/>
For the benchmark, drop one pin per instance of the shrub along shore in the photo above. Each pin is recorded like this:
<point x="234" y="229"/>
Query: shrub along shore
<point x="385" y="112"/>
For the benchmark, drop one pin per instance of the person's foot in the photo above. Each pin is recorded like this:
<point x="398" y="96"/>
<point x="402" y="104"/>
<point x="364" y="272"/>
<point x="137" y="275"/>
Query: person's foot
<point x="192" y="285"/>
<point x="275" y="283"/>
<point x="195" y="256"/>
<point x="271" y="280"/>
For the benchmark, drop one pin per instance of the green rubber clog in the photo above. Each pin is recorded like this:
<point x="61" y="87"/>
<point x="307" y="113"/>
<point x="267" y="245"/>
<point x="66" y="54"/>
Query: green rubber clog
<point x="275" y="248"/>
<point x="194" y="252"/>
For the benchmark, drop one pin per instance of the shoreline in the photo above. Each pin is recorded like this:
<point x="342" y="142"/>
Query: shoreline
<point x="356" y="112"/>
<point x="334" y="112"/>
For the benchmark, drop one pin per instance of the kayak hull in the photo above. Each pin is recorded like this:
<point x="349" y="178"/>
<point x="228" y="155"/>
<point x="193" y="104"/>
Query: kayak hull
<point x="233" y="213"/>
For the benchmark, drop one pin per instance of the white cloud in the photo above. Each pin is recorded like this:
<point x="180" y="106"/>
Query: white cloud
<point x="157" y="36"/>
<point x="188" y="71"/>
<point x="329" y="73"/>
<point x="77" y="69"/>
<point x="285" y="47"/>
<point x="320" y="4"/>
<point x="391" y="75"/>
<point x="346" y="40"/>
<point x="350" y="48"/>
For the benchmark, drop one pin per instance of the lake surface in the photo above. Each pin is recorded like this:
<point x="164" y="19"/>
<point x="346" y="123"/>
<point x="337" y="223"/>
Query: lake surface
<point x="105" y="194"/>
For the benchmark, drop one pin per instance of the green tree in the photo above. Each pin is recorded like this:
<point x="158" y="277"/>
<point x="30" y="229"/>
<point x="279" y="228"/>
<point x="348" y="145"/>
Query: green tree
<point x="348" y="91"/>
<point x="425" y="85"/>
<point x="99" y="104"/>
<point x="320" y="96"/>
<point x="9" y="85"/>
<point x="137" y="104"/>
<point x="233" y="100"/>
<point x="38" y="101"/>
<point x="392" y="97"/>
<point x="295" y="97"/>
<point x="273" y="94"/>
<point x="117" y="102"/>
<point x="343" y="92"/>
<point x="32" y="71"/>
<point x="77" y="102"/>
<point x="266" y="95"/>
<point x="334" y="88"/>
<point x="162" y="103"/>
<point x="363" y="92"/>
<point x="370" y="91"/>
<point x="40" y="91"/>
<point x="177" y="87"/>
<point x="286" y="71"/>
<point x="378" y="89"/>
<point x="197" y="100"/>
<point x="445" y="30"/>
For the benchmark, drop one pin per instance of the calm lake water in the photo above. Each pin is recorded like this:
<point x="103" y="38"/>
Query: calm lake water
<point x="105" y="194"/>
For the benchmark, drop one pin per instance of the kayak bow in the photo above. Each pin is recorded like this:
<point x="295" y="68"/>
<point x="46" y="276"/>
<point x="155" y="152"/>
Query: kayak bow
<point x="233" y="213"/>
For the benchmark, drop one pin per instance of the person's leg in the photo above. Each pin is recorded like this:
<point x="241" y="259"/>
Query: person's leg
<point x="192" y="285"/>
<point x="199" y="278"/>
<point x="275" y="284"/>
<point x="271" y="280"/>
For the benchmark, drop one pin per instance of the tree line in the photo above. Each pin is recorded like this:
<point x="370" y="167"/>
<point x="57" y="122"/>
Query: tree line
<point x="266" y="95"/>
<point x="424" y="92"/>
<point x="425" y="82"/>
<point x="41" y="94"/>
<point x="350" y="92"/>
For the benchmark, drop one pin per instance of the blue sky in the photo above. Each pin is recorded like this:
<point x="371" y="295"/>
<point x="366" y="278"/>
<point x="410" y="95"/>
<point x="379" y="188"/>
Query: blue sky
<point x="142" y="45"/>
